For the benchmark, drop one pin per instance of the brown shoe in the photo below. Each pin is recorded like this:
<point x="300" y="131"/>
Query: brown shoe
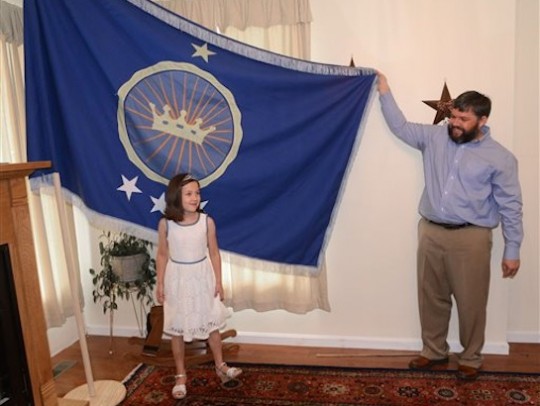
<point x="468" y="373"/>
<point x="426" y="363"/>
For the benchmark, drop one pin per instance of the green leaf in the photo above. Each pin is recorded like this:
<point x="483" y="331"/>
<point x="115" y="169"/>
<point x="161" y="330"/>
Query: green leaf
<point x="108" y="286"/>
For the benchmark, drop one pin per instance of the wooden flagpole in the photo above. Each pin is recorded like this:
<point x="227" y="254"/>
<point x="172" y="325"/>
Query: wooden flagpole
<point x="101" y="393"/>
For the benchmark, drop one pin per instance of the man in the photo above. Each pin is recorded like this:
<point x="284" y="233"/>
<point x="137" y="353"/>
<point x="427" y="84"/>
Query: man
<point x="471" y="183"/>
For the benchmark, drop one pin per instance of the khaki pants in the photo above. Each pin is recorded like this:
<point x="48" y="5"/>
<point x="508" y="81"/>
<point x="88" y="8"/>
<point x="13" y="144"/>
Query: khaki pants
<point x="453" y="263"/>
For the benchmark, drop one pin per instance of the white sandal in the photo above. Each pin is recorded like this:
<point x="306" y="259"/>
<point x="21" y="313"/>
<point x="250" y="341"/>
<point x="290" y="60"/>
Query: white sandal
<point x="228" y="374"/>
<point x="179" y="391"/>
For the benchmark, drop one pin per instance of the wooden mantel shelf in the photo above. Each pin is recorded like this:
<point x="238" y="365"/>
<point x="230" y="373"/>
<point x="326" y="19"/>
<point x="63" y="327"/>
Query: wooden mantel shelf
<point x="23" y="169"/>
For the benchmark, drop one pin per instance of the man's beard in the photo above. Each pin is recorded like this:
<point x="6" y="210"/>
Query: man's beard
<point x="465" y="136"/>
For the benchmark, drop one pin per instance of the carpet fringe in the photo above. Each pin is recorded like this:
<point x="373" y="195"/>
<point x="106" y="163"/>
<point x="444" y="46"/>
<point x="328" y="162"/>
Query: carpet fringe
<point x="133" y="372"/>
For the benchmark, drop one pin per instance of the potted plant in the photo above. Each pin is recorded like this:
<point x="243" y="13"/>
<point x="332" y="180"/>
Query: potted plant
<point x="128" y="272"/>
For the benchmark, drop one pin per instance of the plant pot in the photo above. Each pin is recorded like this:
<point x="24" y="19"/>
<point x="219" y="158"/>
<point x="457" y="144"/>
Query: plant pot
<point x="128" y="268"/>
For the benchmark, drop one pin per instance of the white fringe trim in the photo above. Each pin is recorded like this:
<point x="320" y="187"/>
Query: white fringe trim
<point x="44" y="184"/>
<point x="240" y="48"/>
<point x="133" y="372"/>
<point x="242" y="261"/>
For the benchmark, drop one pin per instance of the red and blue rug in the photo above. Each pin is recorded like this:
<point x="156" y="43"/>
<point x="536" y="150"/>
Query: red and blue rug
<point x="317" y="386"/>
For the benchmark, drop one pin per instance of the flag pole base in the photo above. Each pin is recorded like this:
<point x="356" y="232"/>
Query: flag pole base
<point x="107" y="393"/>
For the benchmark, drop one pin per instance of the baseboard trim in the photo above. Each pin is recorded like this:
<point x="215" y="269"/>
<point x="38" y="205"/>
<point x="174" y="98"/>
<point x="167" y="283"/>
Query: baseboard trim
<point x="375" y="343"/>
<point x="523" y="337"/>
<point x="312" y="340"/>
<point x="118" y="331"/>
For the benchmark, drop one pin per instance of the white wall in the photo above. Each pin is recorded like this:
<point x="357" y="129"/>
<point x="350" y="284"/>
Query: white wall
<point x="524" y="292"/>
<point x="419" y="44"/>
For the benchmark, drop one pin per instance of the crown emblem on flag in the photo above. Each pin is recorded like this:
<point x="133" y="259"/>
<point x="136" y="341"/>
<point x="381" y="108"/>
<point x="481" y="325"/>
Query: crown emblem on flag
<point x="179" y="127"/>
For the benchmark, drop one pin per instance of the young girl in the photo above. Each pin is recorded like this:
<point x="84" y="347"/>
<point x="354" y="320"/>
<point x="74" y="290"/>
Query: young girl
<point x="189" y="278"/>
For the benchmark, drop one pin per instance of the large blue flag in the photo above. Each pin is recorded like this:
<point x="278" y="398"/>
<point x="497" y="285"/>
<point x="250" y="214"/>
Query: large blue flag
<point x="123" y="94"/>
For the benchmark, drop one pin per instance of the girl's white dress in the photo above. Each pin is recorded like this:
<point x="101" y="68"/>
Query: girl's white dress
<point x="190" y="308"/>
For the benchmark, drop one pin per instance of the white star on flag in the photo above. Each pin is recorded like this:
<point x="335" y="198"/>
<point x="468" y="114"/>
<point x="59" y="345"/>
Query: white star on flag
<point x="129" y="186"/>
<point x="159" y="204"/>
<point x="202" y="51"/>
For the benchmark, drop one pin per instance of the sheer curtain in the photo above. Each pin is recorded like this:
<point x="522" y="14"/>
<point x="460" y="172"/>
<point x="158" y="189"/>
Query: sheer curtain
<point x="280" y="26"/>
<point x="54" y="279"/>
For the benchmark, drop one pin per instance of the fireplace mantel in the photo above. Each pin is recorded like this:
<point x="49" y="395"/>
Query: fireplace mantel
<point x="16" y="232"/>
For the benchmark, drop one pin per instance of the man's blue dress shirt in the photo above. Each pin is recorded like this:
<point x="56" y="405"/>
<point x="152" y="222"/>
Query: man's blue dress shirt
<point x="476" y="182"/>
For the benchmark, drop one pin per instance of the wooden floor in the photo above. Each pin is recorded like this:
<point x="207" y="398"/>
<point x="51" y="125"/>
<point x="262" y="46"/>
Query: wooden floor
<point x="126" y="355"/>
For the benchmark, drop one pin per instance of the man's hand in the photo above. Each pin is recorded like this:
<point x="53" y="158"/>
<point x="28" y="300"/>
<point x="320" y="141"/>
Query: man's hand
<point x="382" y="83"/>
<point x="510" y="267"/>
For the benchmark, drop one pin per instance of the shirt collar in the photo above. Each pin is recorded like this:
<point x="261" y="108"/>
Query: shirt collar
<point x="485" y="134"/>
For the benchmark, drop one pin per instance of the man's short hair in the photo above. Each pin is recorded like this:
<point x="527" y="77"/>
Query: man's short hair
<point x="472" y="100"/>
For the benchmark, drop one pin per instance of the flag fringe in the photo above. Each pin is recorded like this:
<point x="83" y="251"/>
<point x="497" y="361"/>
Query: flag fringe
<point x="244" y="49"/>
<point x="44" y="185"/>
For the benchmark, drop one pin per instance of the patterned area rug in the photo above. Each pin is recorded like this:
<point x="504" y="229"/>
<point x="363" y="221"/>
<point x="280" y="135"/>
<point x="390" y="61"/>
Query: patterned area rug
<point x="317" y="386"/>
